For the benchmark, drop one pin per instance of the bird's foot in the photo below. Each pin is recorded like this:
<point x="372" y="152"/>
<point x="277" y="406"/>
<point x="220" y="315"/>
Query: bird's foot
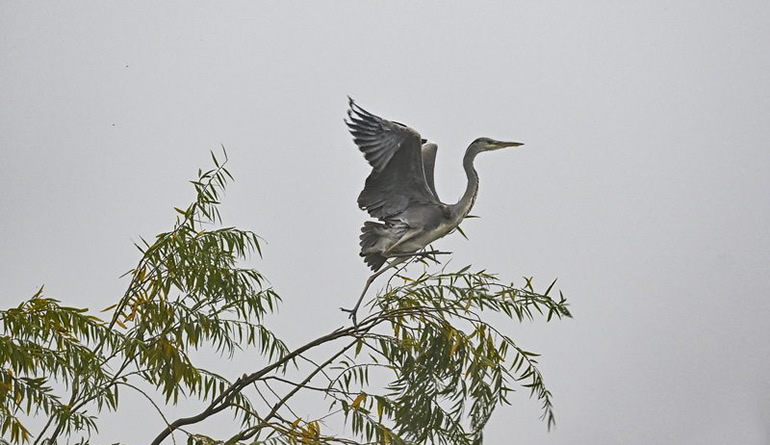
<point x="418" y="254"/>
<point x="351" y="314"/>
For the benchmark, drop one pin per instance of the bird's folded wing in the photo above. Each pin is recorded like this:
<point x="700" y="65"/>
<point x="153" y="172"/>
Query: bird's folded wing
<point x="429" y="150"/>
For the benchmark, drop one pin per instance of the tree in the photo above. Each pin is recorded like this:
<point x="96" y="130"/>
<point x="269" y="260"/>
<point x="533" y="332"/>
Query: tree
<point x="424" y="366"/>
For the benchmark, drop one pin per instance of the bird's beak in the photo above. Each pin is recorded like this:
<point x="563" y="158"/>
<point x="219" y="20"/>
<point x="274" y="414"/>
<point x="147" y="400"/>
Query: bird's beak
<point x="503" y="144"/>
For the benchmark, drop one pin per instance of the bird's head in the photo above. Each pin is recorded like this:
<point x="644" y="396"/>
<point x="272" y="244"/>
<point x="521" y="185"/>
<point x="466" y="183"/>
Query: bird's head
<point x="487" y="144"/>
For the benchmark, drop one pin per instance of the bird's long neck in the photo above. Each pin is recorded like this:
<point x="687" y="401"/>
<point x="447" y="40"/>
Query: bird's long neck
<point x="465" y="204"/>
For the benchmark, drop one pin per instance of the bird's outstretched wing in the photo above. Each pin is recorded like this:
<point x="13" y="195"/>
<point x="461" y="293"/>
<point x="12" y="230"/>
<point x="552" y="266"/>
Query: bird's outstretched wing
<point x="394" y="152"/>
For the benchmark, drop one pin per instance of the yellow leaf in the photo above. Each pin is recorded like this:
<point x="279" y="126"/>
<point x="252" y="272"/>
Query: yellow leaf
<point x="454" y="347"/>
<point x="361" y="397"/>
<point x="110" y="307"/>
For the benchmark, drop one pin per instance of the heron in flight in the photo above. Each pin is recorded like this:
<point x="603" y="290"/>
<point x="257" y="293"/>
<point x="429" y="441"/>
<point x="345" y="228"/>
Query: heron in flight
<point x="400" y="191"/>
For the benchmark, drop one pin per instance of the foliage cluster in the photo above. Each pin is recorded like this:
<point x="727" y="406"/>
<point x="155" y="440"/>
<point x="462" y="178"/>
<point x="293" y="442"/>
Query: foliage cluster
<point x="445" y="367"/>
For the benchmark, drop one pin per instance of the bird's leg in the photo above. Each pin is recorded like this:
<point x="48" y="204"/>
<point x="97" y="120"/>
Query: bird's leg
<point x="418" y="254"/>
<point x="353" y="311"/>
<point x="369" y="282"/>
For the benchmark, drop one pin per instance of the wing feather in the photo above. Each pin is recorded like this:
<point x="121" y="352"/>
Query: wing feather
<point x="429" y="150"/>
<point x="394" y="151"/>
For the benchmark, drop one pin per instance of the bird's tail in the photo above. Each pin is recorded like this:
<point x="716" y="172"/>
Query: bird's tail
<point x="372" y="235"/>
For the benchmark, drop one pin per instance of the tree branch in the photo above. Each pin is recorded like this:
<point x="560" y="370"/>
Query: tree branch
<point x="250" y="432"/>
<point x="223" y="400"/>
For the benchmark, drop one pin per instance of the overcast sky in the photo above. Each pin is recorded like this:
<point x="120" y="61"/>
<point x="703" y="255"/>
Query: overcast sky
<point x="644" y="184"/>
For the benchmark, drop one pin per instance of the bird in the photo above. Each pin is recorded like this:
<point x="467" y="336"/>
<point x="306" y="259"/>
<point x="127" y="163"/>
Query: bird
<point x="400" y="191"/>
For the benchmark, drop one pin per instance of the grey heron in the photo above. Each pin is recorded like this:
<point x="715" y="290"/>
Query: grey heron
<point x="400" y="191"/>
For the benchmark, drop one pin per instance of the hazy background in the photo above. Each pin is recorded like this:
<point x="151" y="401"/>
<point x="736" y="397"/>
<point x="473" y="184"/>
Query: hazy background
<point x="643" y="185"/>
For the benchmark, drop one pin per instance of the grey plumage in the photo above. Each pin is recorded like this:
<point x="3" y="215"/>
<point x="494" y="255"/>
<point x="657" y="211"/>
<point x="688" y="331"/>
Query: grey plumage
<point x="429" y="151"/>
<point x="394" y="152"/>
<point x="400" y="191"/>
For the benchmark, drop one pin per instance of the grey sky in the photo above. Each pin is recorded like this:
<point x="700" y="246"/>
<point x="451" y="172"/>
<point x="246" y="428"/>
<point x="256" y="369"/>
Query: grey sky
<point x="643" y="184"/>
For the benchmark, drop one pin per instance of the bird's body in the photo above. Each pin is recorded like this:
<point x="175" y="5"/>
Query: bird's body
<point x="400" y="191"/>
<point x="403" y="234"/>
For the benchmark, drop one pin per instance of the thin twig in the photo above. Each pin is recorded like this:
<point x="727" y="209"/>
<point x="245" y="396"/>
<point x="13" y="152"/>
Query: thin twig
<point x="157" y="408"/>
